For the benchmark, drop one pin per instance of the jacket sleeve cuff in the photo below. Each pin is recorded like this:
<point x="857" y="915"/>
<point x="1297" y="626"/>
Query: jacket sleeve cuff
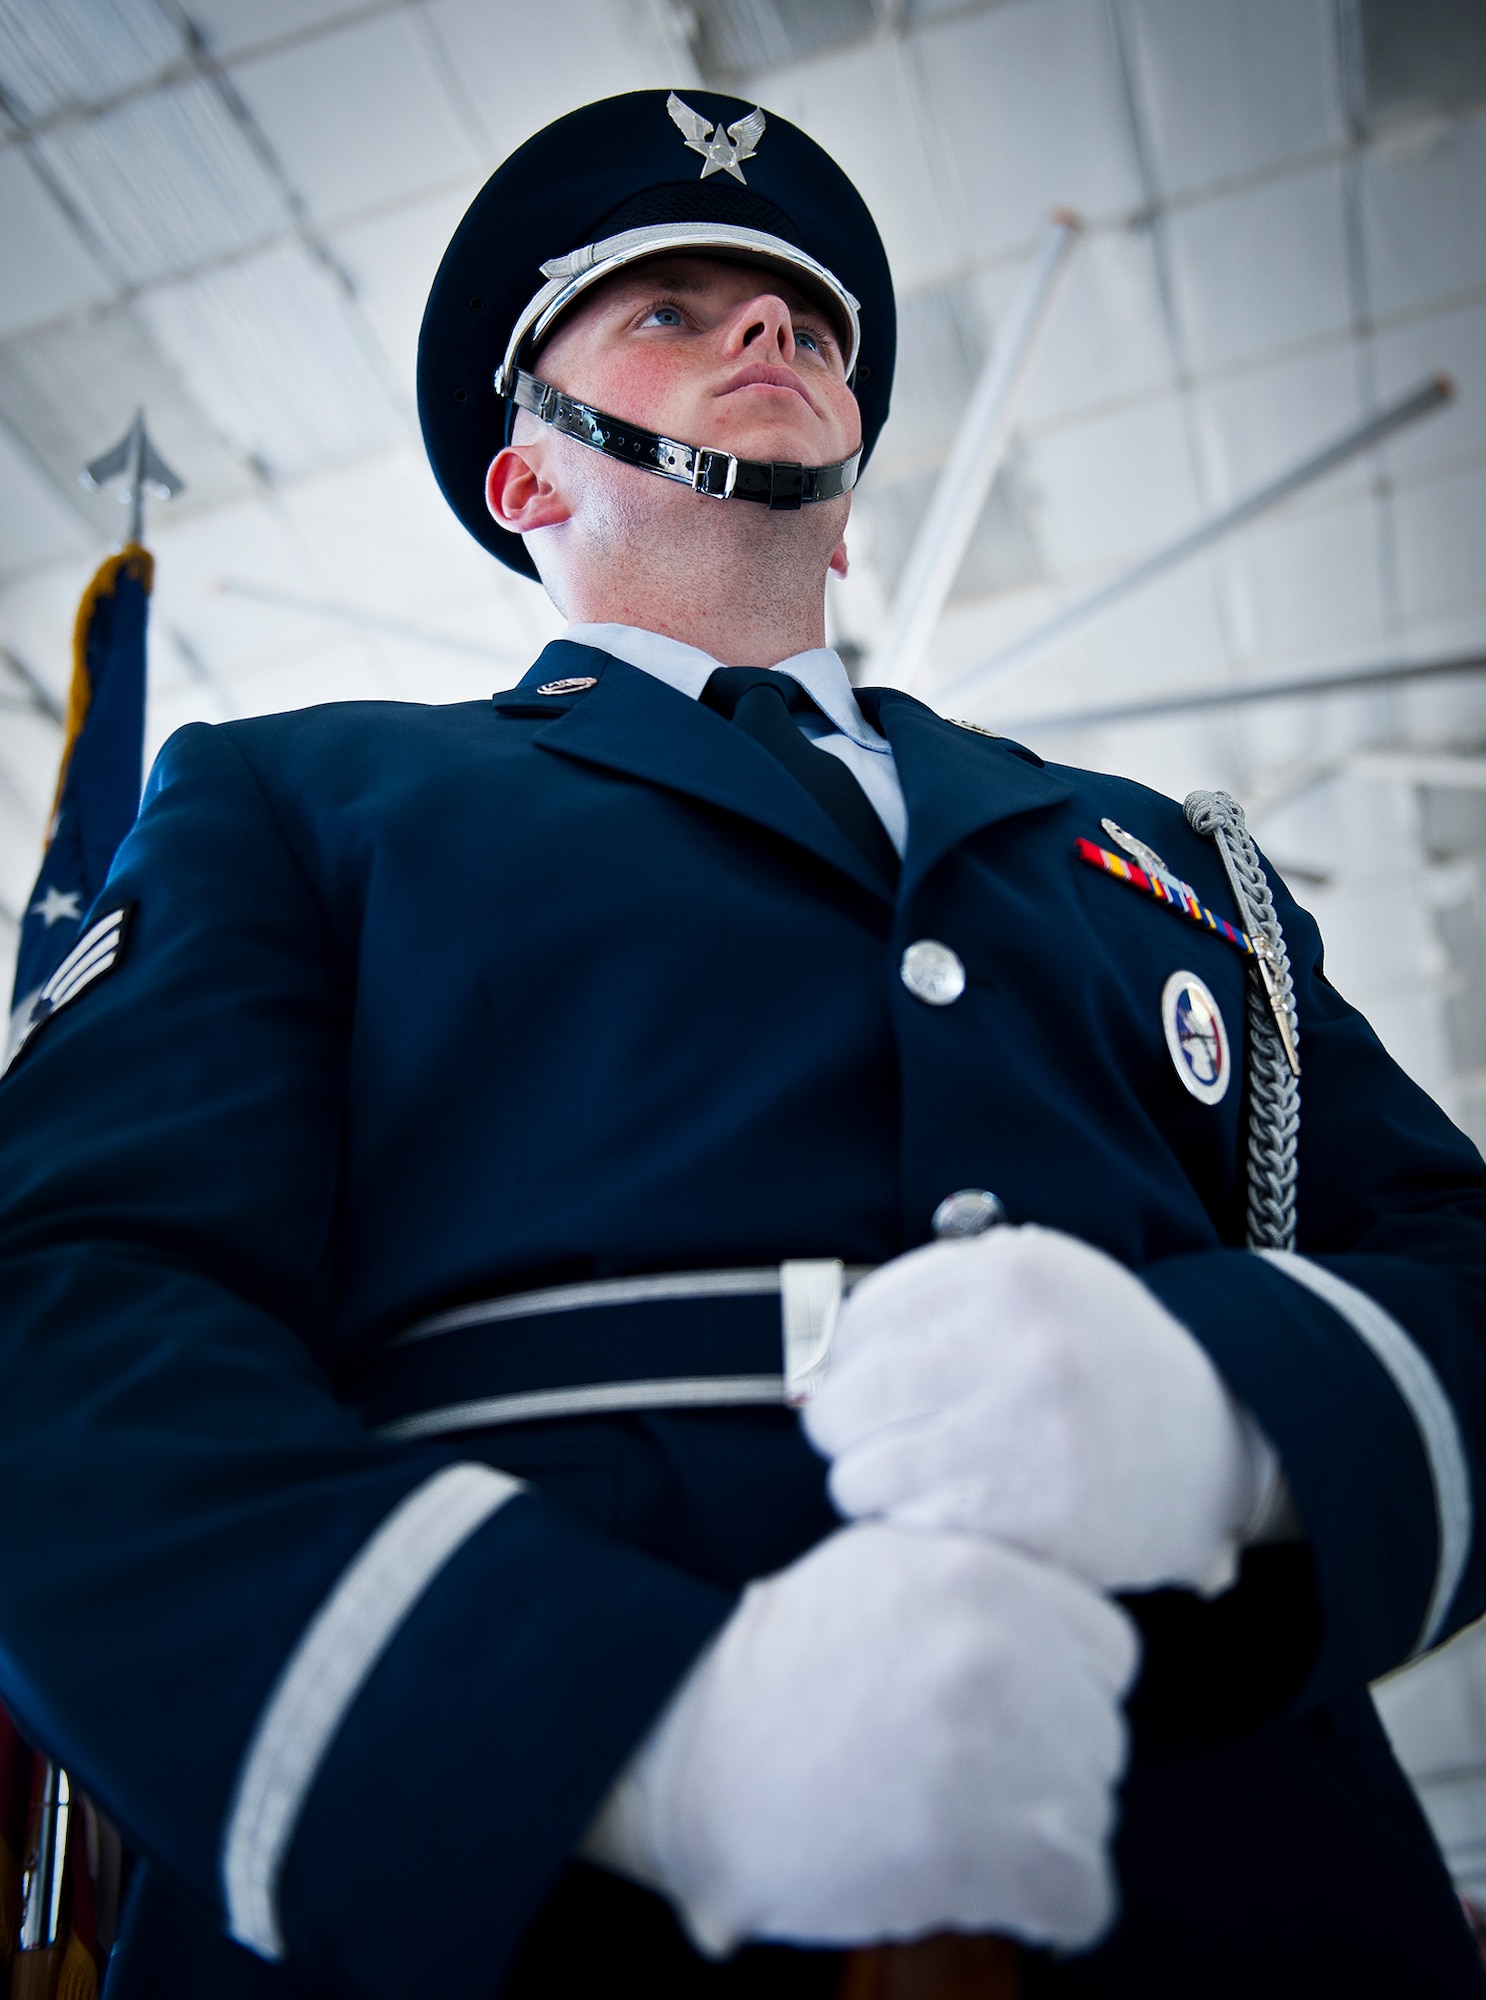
<point x="1366" y="1437"/>
<point x="440" y="1737"/>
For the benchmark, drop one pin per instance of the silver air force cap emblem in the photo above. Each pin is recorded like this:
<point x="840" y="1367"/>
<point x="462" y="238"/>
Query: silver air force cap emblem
<point x="722" y="151"/>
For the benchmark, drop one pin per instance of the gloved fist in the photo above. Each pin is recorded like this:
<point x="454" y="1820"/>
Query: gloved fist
<point x="896" y="1735"/>
<point x="1025" y="1386"/>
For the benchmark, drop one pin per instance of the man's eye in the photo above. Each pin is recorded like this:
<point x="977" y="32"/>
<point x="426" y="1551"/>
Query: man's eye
<point x="804" y="337"/>
<point x="664" y="316"/>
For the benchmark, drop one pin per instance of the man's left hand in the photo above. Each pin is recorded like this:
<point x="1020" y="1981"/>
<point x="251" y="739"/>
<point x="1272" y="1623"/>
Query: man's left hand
<point x="1026" y="1386"/>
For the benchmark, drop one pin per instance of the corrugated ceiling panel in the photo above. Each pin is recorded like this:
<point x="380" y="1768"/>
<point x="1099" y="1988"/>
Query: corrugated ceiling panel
<point x="524" y="66"/>
<point x="1263" y="269"/>
<point x="230" y="26"/>
<point x="360" y="117"/>
<point x="861" y="106"/>
<point x="392" y="260"/>
<point x="1424" y="215"/>
<point x="1228" y="87"/>
<point x="1114" y="488"/>
<point x="277" y="352"/>
<point x="1307" y="588"/>
<point x="1254" y="425"/>
<point x="48" y="272"/>
<point x="35" y="527"/>
<point x="1105" y="338"/>
<point x="73" y="52"/>
<point x="734" y="38"/>
<point x="1439" y="545"/>
<point x="1029" y="111"/>
<point x="165" y="182"/>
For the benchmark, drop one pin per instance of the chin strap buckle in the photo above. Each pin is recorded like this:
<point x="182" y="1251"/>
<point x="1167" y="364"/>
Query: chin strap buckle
<point x="714" y="473"/>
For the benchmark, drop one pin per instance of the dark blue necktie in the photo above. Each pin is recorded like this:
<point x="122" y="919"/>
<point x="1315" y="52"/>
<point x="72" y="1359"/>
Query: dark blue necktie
<point x="764" y="704"/>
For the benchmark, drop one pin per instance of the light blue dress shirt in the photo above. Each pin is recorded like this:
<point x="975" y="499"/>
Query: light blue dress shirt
<point x="845" y="733"/>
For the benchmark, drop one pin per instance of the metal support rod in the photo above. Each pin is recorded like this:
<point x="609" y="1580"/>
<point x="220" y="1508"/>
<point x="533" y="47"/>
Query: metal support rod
<point x="1350" y="680"/>
<point x="1443" y="770"/>
<point x="136" y="482"/>
<point x="39" y="696"/>
<point x="1429" y="396"/>
<point x="979" y="447"/>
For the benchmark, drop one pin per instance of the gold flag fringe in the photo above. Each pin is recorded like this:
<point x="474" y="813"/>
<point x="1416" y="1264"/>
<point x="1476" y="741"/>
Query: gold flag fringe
<point x="136" y="562"/>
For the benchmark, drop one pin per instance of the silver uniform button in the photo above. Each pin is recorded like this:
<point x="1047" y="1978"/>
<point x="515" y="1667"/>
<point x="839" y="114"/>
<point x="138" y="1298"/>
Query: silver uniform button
<point x="967" y="1212"/>
<point x="574" y="686"/>
<point x="932" y="973"/>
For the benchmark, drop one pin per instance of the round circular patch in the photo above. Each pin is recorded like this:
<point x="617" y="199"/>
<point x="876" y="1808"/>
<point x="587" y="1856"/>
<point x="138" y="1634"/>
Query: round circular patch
<point x="1196" y="1037"/>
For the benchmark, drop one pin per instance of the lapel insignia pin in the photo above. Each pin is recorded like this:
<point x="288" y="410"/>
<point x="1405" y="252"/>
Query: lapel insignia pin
<point x="1196" y="1037"/>
<point x="575" y="685"/>
<point x="1156" y="880"/>
<point x="722" y="151"/>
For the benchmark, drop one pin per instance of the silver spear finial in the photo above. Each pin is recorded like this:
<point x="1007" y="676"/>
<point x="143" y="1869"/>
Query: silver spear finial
<point x="138" y="461"/>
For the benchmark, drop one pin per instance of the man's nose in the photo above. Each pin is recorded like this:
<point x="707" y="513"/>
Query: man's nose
<point x="763" y="325"/>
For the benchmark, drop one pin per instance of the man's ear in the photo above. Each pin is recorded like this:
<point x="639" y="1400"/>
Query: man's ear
<point x="519" y="492"/>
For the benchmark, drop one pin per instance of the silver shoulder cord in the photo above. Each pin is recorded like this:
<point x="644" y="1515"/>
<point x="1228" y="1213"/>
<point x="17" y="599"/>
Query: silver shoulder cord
<point x="1274" y="1030"/>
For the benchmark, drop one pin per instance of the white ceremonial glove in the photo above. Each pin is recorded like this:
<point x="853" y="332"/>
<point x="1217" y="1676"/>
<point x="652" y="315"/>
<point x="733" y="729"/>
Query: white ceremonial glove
<point x="1024" y="1385"/>
<point x="898" y="1734"/>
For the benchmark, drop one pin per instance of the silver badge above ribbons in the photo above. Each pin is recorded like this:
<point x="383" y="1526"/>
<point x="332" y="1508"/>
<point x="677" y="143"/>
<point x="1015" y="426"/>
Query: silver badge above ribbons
<point x="1196" y="1037"/>
<point x="1145" y="856"/>
<point x="723" y="151"/>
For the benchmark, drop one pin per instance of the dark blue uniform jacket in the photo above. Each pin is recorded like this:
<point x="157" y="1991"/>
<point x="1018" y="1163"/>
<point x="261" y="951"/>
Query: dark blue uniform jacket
<point x="425" y="1004"/>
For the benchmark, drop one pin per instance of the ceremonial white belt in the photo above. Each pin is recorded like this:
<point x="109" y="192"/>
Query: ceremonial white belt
<point x="673" y="1340"/>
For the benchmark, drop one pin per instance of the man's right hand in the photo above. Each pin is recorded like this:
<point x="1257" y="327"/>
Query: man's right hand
<point x="901" y="1733"/>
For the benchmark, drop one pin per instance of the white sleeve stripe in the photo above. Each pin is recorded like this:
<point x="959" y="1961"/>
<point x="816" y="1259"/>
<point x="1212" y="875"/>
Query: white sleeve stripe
<point x="323" y="1676"/>
<point x="60" y="990"/>
<point x="101" y="933"/>
<point x="1423" y="1392"/>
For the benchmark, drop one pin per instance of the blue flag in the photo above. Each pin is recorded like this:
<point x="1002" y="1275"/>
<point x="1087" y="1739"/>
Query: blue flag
<point x="102" y="771"/>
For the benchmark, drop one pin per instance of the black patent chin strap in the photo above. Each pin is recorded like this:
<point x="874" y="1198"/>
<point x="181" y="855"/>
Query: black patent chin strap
<point x="782" y="487"/>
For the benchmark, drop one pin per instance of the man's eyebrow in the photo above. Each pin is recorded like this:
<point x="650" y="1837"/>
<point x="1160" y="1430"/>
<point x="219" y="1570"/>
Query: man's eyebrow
<point x="655" y="279"/>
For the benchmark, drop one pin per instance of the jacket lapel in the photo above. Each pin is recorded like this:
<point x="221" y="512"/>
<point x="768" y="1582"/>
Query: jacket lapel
<point x="634" y="723"/>
<point x="955" y="780"/>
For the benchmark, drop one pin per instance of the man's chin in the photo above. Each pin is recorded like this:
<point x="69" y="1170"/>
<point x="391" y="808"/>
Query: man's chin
<point x="779" y="443"/>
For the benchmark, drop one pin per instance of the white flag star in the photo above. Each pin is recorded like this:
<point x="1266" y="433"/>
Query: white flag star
<point x="54" y="905"/>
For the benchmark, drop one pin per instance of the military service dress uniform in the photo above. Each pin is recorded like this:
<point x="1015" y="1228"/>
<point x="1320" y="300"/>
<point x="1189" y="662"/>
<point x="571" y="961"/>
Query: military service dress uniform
<point x="409" y="1022"/>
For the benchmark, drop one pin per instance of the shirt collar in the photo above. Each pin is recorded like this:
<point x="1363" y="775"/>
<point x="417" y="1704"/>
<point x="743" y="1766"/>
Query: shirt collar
<point x="688" y="669"/>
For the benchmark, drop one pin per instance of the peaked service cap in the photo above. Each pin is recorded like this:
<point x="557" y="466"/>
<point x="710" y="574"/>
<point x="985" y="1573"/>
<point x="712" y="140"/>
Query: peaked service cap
<point x="621" y="168"/>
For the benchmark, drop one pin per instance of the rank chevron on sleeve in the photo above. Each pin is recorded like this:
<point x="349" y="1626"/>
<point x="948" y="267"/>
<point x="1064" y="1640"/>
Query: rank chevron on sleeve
<point x="96" y="952"/>
<point x="1176" y="895"/>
